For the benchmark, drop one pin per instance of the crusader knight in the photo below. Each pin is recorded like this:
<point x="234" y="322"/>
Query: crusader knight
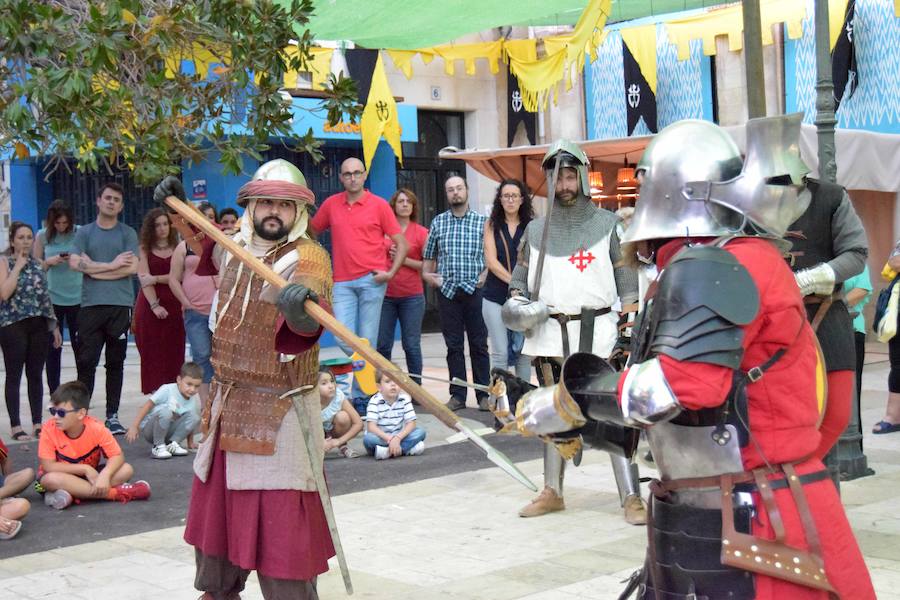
<point x="724" y="376"/>
<point x="568" y="275"/>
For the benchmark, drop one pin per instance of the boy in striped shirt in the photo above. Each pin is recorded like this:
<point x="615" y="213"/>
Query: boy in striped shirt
<point x="391" y="422"/>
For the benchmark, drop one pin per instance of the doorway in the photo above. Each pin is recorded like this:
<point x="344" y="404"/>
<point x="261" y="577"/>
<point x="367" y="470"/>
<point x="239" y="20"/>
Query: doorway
<point x="424" y="173"/>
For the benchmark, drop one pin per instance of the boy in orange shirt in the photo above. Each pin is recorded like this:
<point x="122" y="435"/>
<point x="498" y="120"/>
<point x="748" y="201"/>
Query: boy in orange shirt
<point x="71" y="446"/>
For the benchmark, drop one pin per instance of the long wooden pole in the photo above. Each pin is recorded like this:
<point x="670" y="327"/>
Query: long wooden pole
<point x="324" y="318"/>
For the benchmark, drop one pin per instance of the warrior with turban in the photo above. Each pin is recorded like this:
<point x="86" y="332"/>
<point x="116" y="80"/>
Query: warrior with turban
<point x="254" y="504"/>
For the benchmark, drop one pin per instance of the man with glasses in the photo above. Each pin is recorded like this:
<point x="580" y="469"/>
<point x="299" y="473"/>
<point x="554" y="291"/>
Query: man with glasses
<point x="359" y="221"/>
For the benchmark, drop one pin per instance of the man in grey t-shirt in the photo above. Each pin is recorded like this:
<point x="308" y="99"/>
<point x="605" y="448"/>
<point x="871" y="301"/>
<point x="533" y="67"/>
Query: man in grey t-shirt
<point x="106" y="251"/>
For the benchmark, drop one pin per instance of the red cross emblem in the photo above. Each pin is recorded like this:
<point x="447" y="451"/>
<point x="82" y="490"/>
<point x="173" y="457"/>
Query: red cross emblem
<point x="581" y="260"/>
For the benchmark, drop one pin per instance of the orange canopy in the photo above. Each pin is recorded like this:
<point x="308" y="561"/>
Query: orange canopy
<point x="524" y="162"/>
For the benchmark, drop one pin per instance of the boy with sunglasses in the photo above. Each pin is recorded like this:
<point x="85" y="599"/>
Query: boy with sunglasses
<point x="71" y="447"/>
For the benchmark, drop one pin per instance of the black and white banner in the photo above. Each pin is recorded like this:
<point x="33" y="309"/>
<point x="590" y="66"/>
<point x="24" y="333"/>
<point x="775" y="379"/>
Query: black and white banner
<point x="640" y="101"/>
<point x="516" y="113"/>
<point x="843" y="59"/>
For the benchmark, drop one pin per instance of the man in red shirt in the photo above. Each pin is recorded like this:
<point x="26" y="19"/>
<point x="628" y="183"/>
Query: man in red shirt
<point x="359" y="221"/>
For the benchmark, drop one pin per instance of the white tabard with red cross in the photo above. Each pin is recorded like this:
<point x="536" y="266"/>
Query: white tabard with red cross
<point x="582" y="279"/>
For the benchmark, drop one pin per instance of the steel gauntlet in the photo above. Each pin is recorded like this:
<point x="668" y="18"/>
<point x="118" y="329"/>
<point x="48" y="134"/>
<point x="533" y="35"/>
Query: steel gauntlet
<point x="818" y="280"/>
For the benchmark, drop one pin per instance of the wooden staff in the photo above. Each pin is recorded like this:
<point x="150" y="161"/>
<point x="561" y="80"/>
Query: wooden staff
<point x="324" y="318"/>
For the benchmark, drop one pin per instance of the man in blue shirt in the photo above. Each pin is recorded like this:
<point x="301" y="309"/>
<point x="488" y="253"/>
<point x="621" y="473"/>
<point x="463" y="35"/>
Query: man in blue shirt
<point x="454" y="263"/>
<point x="106" y="252"/>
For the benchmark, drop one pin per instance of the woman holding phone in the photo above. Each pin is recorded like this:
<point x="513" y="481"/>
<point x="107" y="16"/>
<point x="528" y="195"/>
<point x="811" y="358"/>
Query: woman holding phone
<point x="52" y="246"/>
<point x="26" y="317"/>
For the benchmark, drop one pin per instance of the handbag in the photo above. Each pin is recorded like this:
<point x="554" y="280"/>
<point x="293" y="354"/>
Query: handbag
<point x="885" y="322"/>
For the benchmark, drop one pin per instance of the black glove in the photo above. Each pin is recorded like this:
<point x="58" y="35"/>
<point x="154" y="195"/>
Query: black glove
<point x="290" y="303"/>
<point x="170" y="186"/>
<point x="621" y="351"/>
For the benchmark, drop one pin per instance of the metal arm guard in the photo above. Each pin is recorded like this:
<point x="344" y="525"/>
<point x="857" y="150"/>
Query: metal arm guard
<point x="704" y="297"/>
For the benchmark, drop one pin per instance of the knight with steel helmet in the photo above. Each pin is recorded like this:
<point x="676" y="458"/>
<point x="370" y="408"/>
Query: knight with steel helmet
<point x="254" y="499"/>
<point x="566" y="286"/>
<point x="725" y="378"/>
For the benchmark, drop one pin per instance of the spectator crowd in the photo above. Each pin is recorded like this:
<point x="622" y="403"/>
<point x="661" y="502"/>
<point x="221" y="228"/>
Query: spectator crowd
<point x="76" y="281"/>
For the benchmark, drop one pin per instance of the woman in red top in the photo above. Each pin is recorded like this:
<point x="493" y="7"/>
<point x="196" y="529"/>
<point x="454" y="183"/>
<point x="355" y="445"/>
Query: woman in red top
<point x="158" y="327"/>
<point x="404" y="300"/>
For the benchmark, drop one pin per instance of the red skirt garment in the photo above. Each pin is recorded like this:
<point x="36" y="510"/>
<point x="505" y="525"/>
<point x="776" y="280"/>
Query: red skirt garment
<point x="279" y="533"/>
<point x="160" y="342"/>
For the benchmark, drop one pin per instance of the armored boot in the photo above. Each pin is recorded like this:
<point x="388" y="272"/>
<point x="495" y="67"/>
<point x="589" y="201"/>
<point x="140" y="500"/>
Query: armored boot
<point x="628" y="482"/>
<point x="551" y="497"/>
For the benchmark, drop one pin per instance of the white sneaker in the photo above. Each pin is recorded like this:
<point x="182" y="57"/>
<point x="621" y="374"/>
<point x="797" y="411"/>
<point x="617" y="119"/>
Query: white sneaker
<point x="59" y="499"/>
<point x="417" y="449"/>
<point x="175" y="449"/>
<point x="160" y="451"/>
<point x="382" y="452"/>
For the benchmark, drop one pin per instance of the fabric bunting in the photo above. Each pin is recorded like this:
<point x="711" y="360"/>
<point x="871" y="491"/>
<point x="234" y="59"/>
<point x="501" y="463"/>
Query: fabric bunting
<point x="541" y="77"/>
<point x="729" y="21"/>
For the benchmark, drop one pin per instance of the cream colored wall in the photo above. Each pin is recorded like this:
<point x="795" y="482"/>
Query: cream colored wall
<point x="479" y="96"/>
<point x="731" y="81"/>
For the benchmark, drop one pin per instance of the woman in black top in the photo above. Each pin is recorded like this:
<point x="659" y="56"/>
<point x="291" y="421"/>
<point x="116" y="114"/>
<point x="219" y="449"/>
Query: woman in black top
<point x="502" y="233"/>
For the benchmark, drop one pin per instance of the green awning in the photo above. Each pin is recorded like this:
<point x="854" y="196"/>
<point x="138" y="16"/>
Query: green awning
<point x="411" y="24"/>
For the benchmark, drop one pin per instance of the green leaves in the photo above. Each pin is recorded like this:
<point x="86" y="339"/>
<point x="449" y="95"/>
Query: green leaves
<point x="144" y="84"/>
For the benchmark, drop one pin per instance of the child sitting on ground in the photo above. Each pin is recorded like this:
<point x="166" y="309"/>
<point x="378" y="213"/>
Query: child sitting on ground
<point x="340" y="420"/>
<point x="171" y="414"/>
<point x="71" y="445"/>
<point x="391" y="422"/>
<point x="12" y="509"/>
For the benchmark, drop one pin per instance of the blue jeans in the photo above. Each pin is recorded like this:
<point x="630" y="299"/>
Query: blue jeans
<point x="357" y="304"/>
<point x="370" y="440"/>
<point x="196" y="327"/>
<point x="409" y="311"/>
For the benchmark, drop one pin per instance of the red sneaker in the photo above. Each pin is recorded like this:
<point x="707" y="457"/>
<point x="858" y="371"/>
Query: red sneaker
<point x="126" y="492"/>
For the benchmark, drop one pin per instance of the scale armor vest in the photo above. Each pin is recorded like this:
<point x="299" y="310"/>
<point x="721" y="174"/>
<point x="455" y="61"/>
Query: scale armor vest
<point x="250" y="371"/>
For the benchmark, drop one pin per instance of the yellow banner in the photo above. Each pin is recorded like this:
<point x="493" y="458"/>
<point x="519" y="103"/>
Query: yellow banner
<point x="642" y="43"/>
<point x="379" y="117"/>
<point x="730" y="22"/>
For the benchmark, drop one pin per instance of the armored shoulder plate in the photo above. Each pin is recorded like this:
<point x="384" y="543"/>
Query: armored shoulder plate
<point x="704" y="297"/>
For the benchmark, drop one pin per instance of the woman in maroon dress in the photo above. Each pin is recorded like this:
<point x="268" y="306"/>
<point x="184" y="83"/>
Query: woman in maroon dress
<point x="158" y="326"/>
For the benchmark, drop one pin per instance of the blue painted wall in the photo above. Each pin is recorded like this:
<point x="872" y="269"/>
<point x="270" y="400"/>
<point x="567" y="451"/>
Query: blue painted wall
<point x="23" y="185"/>
<point x="876" y="104"/>
<point x="683" y="91"/>
<point x="221" y="188"/>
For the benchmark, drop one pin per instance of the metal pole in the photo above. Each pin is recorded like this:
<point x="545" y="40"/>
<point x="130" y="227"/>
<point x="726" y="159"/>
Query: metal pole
<point x="825" y="118"/>
<point x="753" y="60"/>
<point x="847" y="457"/>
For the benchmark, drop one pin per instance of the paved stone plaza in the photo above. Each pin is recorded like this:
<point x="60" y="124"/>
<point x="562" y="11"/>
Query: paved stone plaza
<point x="456" y="537"/>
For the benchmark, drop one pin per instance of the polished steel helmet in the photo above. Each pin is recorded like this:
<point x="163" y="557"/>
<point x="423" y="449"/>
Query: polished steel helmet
<point x="771" y="190"/>
<point x="694" y="183"/>
<point x="279" y="170"/>
<point x="684" y="152"/>
<point x="570" y="155"/>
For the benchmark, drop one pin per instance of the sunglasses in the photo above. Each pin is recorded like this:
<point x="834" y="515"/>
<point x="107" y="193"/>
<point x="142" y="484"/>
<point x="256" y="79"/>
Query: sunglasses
<point x="61" y="412"/>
